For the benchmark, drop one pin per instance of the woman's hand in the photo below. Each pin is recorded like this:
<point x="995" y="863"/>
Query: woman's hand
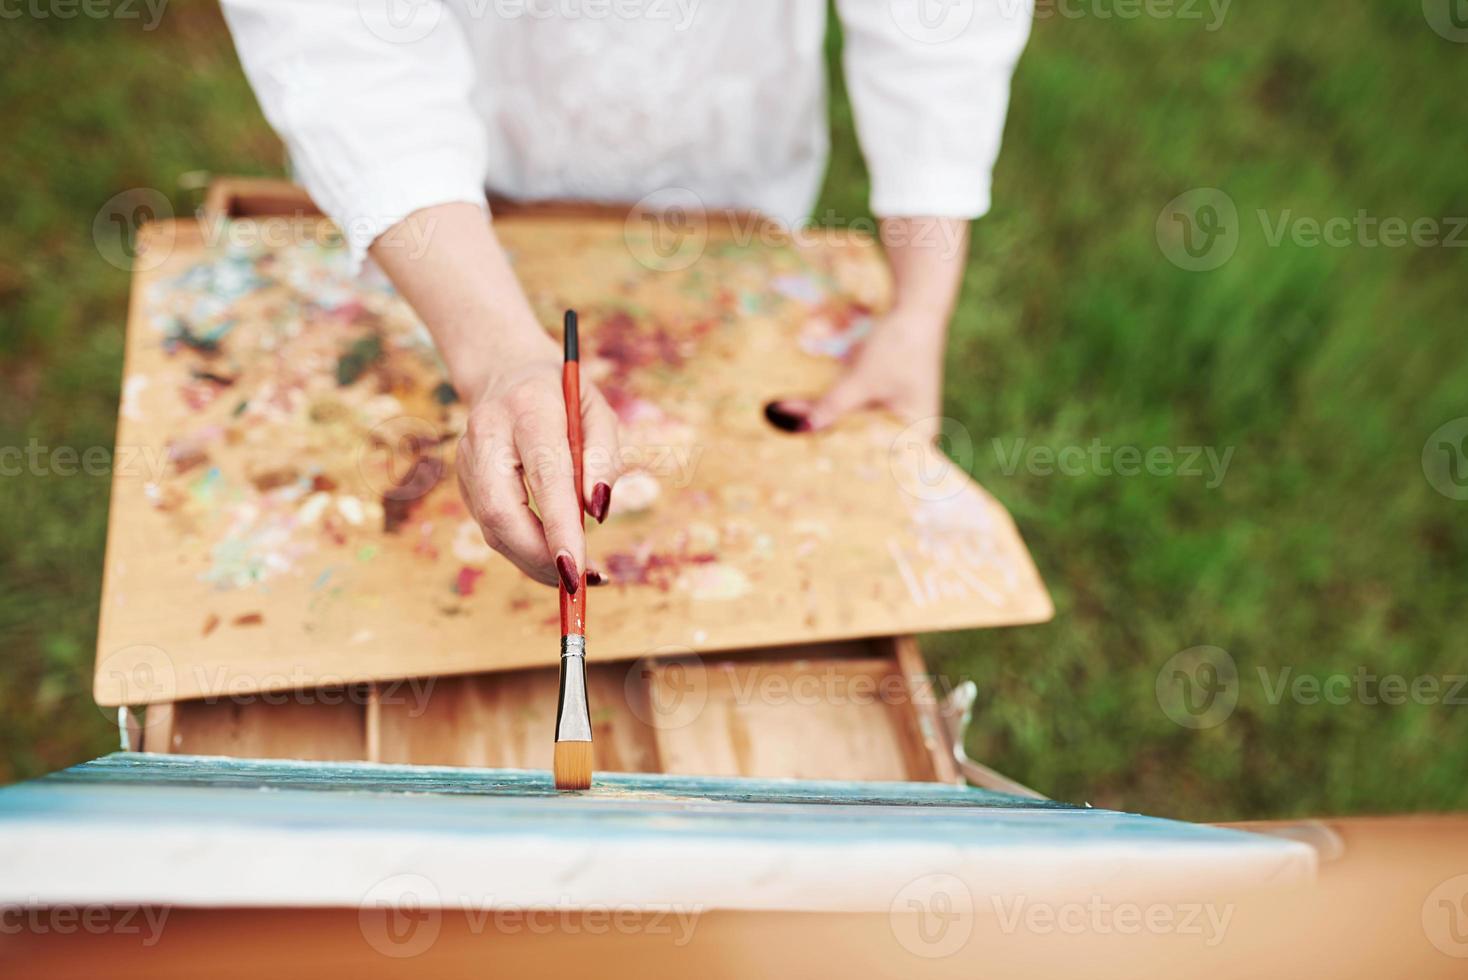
<point x="516" y="438"/>
<point x="899" y="367"/>
<point x="448" y="264"/>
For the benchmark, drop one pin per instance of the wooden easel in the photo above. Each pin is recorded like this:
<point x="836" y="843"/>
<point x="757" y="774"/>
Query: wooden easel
<point x="471" y="703"/>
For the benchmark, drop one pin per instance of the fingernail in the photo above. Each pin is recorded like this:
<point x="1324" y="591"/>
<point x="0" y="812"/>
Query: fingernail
<point x="566" y="568"/>
<point x="786" y="420"/>
<point x="601" y="499"/>
<point x="593" y="577"/>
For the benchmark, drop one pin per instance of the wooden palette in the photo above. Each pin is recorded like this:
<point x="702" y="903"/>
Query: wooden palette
<point x="285" y="516"/>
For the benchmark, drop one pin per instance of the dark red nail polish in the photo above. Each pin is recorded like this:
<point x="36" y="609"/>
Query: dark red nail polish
<point x="566" y="568"/>
<point x="786" y="420"/>
<point x="601" y="500"/>
<point x="593" y="577"/>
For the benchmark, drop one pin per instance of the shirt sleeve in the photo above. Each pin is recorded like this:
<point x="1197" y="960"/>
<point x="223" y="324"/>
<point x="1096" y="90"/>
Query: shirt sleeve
<point x="372" y="99"/>
<point x="929" y="84"/>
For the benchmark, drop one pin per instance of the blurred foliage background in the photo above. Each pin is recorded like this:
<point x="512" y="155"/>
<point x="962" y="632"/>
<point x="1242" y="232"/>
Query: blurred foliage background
<point x="1325" y="549"/>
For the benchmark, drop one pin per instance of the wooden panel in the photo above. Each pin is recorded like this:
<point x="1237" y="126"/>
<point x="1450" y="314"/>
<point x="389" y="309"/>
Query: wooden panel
<point x="372" y="723"/>
<point x="158" y="721"/>
<point x="491" y="720"/>
<point x="246" y="197"/>
<point x="816" y="719"/>
<point x="506" y="720"/>
<point x="830" y="711"/>
<point x="315" y="725"/>
<point x="239" y="197"/>
<point x="846" y="710"/>
<point x="922" y="687"/>
<point x="624" y="741"/>
<point x="261" y="500"/>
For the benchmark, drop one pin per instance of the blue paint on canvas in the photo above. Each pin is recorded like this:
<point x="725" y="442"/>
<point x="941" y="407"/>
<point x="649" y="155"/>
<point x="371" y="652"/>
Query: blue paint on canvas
<point x="202" y="791"/>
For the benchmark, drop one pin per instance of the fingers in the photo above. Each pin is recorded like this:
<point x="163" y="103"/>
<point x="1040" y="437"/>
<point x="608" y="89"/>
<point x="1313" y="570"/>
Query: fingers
<point x="804" y="415"/>
<point x="539" y="433"/>
<point x="492" y="487"/>
<point x="600" y="456"/>
<point x="846" y="395"/>
<point x="789" y="414"/>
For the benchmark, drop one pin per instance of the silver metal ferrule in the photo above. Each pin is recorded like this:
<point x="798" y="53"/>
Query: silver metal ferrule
<point x="573" y="716"/>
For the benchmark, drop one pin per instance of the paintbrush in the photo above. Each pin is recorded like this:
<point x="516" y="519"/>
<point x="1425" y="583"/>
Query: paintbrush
<point x="573" y="717"/>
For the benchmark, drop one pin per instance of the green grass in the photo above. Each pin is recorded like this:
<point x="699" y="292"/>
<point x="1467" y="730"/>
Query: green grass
<point x="1323" y="550"/>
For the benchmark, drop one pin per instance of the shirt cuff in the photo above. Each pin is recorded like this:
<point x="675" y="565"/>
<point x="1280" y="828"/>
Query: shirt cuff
<point x="929" y="192"/>
<point x="384" y="196"/>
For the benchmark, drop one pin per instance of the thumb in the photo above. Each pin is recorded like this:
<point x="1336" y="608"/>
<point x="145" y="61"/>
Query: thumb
<point x="845" y="396"/>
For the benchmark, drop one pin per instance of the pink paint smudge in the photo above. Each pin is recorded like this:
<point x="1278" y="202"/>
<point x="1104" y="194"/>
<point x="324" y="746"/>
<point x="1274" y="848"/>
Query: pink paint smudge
<point x="466" y="580"/>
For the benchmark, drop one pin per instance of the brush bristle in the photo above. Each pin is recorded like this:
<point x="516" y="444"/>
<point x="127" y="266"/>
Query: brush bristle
<point x="573" y="765"/>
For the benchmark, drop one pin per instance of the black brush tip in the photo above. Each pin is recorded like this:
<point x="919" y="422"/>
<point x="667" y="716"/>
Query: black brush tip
<point x="573" y="346"/>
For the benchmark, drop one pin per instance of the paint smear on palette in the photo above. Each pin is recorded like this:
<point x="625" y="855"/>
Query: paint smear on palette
<point x="197" y="310"/>
<point x="469" y="546"/>
<point x="629" y="350"/>
<point x="466" y="580"/>
<point x="632" y="410"/>
<point x="801" y="288"/>
<point x="835" y="333"/>
<point x="297" y="314"/>
<point x="132" y="392"/>
<point x="208" y="487"/>
<point x="260" y="543"/>
<point x="636" y="491"/>
<point x="964" y="511"/>
<point x="400" y="500"/>
<point x="660" y="570"/>
<point x="714" y="582"/>
<point x="954" y="553"/>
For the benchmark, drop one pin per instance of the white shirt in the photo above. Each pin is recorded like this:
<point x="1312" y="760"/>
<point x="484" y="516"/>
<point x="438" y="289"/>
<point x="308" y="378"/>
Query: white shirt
<point x="390" y="106"/>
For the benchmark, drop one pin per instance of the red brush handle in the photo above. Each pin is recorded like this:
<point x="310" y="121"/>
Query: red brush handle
<point x="573" y="607"/>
